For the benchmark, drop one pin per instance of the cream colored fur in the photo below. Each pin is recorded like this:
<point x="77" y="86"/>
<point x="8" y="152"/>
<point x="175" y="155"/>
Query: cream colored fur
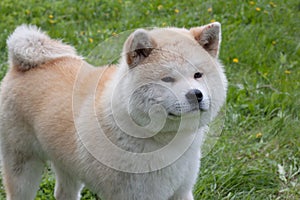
<point x="123" y="131"/>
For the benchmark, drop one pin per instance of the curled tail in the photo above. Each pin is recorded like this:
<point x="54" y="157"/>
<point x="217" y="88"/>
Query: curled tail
<point x="29" y="47"/>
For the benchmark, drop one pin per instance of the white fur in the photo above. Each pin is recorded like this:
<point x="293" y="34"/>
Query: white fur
<point x="28" y="47"/>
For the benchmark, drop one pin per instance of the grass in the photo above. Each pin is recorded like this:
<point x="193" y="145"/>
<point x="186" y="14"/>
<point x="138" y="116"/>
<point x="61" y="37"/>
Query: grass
<point x="258" y="153"/>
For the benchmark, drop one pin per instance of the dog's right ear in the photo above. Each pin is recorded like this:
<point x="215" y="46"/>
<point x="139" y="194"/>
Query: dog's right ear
<point x="138" y="47"/>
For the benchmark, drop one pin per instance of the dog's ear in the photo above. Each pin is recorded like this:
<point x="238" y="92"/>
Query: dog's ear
<point x="209" y="37"/>
<point x="138" y="47"/>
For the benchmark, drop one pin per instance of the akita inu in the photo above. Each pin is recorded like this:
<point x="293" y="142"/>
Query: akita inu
<point x="131" y="131"/>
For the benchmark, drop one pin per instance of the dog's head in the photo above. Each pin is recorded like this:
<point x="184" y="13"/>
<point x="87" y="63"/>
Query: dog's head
<point x="175" y="70"/>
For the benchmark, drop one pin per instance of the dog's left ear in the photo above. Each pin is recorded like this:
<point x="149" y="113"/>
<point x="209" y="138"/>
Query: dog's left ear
<point x="138" y="47"/>
<point x="209" y="37"/>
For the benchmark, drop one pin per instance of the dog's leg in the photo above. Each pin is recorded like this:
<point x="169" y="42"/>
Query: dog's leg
<point x="183" y="196"/>
<point x="22" y="167"/>
<point x="21" y="175"/>
<point x="66" y="187"/>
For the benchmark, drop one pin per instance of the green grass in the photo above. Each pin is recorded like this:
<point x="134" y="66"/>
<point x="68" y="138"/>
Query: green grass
<point x="262" y="128"/>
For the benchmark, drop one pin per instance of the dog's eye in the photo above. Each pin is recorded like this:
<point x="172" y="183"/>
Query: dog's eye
<point x="198" y="75"/>
<point x="168" y="79"/>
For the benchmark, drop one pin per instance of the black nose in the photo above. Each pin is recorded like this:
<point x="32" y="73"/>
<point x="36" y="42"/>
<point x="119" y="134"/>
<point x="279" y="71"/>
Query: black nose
<point x="194" y="95"/>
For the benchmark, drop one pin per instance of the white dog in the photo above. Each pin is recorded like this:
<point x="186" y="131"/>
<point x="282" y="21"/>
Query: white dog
<point x="128" y="132"/>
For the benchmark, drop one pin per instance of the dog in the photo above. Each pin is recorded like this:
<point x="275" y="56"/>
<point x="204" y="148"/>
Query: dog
<point x="130" y="131"/>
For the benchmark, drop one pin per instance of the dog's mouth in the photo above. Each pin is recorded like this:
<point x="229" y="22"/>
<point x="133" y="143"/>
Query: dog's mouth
<point x="174" y="115"/>
<point x="178" y="109"/>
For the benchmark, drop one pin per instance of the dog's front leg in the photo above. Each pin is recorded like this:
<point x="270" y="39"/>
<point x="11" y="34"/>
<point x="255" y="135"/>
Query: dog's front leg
<point x="183" y="196"/>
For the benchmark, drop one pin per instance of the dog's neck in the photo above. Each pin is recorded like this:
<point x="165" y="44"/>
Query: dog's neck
<point x="147" y="140"/>
<point x="136" y="141"/>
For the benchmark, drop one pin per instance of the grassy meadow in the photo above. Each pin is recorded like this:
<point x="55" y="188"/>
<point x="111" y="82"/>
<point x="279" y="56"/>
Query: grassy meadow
<point x="258" y="154"/>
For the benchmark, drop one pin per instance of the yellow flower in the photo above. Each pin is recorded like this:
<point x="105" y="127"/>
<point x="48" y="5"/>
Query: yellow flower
<point x="257" y="9"/>
<point x="251" y="2"/>
<point x="235" y="60"/>
<point x="273" y="42"/>
<point x="209" y="10"/>
<point x="159" y="7"/>
<point x="91" y="40"/>
<point x="50" y="16"/>
<point x="287" y="72"/>
<point x="212" y="20"/>
<point x="272" y="4"/>
<point x="258" y="135"/>
<point x="176" y="11"/>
